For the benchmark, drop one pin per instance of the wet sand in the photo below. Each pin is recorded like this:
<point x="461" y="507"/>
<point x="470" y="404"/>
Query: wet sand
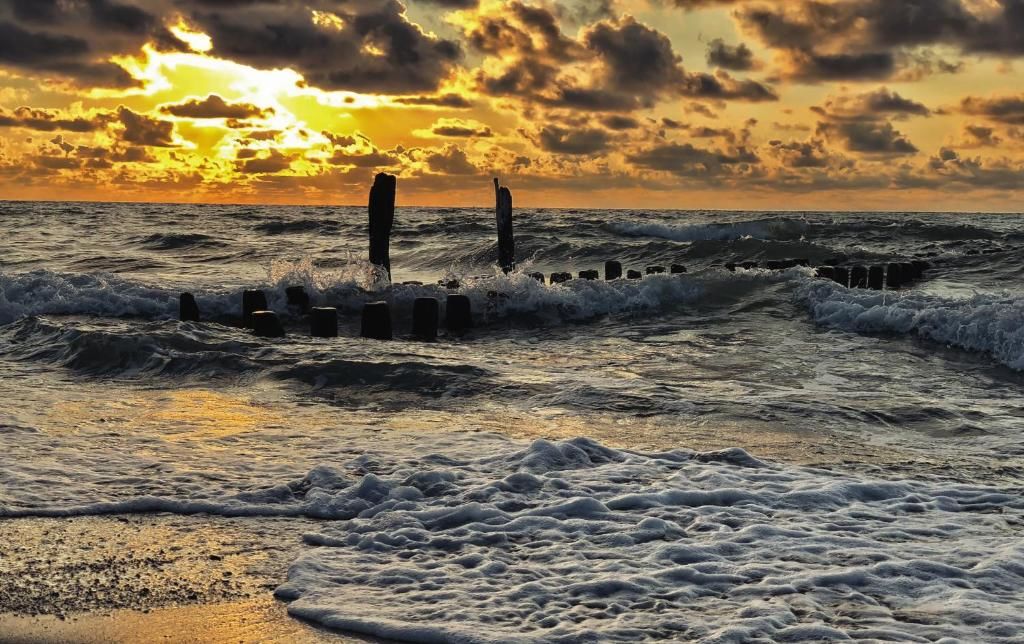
<point x="150" y="578"/>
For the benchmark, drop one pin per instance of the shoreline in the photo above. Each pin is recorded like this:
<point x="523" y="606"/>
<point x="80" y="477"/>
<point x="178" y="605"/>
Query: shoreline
<point x="256" y="620"/>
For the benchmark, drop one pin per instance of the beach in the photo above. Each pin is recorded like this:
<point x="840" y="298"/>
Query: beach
<point x="725" y="454"/>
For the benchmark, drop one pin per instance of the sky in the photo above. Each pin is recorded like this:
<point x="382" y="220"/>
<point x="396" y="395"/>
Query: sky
<point x="905" y="105"/>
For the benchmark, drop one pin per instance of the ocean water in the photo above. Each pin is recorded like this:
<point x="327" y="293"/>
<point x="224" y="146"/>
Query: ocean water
<point x="717" y="456"/>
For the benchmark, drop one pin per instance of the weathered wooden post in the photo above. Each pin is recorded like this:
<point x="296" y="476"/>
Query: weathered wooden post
<point x="842" y="276"/>
<point x="655" y="270"/>
<point x="382" y="218"/>
<point x="859" y="277"/>
<point x="426" y="314"/>
<point x="252" y="301"/>
<point x="265" y="324"/>
<point x="907" y="271"/>
<point x="506" y="240"/>
<point x="612" y="271"/>
<point x="876" y="278"/>
<point x="589" y="275"/>
<point x="679" y="269"/>
<point x="826" y="272"/>
<point x="559" y="278"/>
<point x="323" y="322"/>
<point x="634" y="274"/>
<point x="376" y="322"/>
<point x="893" y="276"/>
<point x="188" y="310"/>
<point x="538" y="276"/>
<point x="458" y="314"/>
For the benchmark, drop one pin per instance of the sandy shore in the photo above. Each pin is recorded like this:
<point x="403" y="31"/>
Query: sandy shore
<point x="150" y="578"/>
<point x="261" y="620"/>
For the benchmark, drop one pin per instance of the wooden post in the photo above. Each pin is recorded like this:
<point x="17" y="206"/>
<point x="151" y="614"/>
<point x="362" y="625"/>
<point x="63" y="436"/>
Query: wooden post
<point x="376" y="323"/>
<point x="634" y="275"/>
<point x="252" y="301"/>
<point x="323" y="322"/>
<point x="506" y="240"/>
<point x="842" y="276"/>
<point x="859" y="277"/>
<point x="265" y="324"/>
<point x="458" y="314"/>
<point x="589" y="275"/>
<point x="679" y="269"/>
<point x="188" y="310"/>
<point x="827" y="272"/>
<point x="382" y="218"/>
<point x="876" y="278"/>
<point x="425" y="317"/>
<point x="893" y="276"/>
<point x="612" y="270"/>
<point x="655" y="270"/>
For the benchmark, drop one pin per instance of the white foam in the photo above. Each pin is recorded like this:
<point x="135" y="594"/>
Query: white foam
<point x="987" y="323"/>
<point x="576" y="542"/>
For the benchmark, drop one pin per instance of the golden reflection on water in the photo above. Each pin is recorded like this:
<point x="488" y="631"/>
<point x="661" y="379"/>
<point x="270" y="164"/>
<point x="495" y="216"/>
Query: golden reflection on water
<point x="181" y="415"/>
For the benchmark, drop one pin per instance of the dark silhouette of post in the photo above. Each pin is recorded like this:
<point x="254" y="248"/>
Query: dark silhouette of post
<point x="426" y="313"/>
<point x="893" y="276"/>
<point x="458" y="314"/>
<point x="634" y="275"/>
<point x="612" y="270"/>
<point x="506" y="240"/>
<point x="827" y="272"/>
<point x="842" y="276"/>
<point x="382" y="218"/>
<point x="589" y="275"/>
<point x="376" y="322"/>
<point x="679" y="269"/>
<point x="252" y="301"/>
<point x="188" y="310"/>
<point x="859" y="277"/>
<point x="323" y="322"/>
<point x="265" y="324"/>
<point x="876" y="278"/>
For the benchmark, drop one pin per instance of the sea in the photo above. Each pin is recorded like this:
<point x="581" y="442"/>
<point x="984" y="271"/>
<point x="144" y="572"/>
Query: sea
<point x="744" y="455"/>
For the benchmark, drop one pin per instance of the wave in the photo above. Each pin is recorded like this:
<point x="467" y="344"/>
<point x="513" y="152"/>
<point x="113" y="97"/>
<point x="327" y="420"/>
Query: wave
<point x="168" y="241"/>
<point x="780" y="229"/>
<point x="281" y="227"/>
<point x="575" y="541"/>
<point x="986" y="323"/>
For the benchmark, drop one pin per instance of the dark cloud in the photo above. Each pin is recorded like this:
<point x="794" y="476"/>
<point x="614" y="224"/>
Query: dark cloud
<point x="686" y="160"/>
<point x="457" y="128"/>
<point x="577" y="141"/>
<point x="451" y="160"/>
<point x="735" y="57"/>
<point x="450" y="100"/>
<point x="1003" y="109"/>
<point x="45" y="120"/>
<point x="140" y="129"/>
<point x="273" y="163"/>
<point x="215" y="107"/>
<point x="619" y="122"/>
<point x="876" y="137"/>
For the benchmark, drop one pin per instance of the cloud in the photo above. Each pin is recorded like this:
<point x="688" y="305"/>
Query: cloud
<point x="144" y="130"/>
<point x="576" y="142"/>
<point x="45" y="120"/>
<point x="1002" y="109"/>
<point x="449" y="100"/>
<point x="273" y="163"/>
<point x="451" y="160"/>
<point x="735" y="57"/>
<point x="215" y="107"/>
<point x="459" y="128"/>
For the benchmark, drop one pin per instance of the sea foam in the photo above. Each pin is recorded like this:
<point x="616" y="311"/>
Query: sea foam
<point x="500" y="541"/>
<point x="987" y="323"/>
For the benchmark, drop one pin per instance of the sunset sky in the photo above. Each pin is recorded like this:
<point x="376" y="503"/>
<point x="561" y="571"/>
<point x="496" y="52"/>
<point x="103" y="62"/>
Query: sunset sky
<point x="786" y="104"/>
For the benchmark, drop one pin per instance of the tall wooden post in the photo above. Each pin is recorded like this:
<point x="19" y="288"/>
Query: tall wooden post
<point x="506" y="241"/>
<point x="382" y="217"/>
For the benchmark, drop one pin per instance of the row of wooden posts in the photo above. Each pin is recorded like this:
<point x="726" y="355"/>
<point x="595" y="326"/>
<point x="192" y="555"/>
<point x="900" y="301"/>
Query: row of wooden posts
<point x="376" y="316"/>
